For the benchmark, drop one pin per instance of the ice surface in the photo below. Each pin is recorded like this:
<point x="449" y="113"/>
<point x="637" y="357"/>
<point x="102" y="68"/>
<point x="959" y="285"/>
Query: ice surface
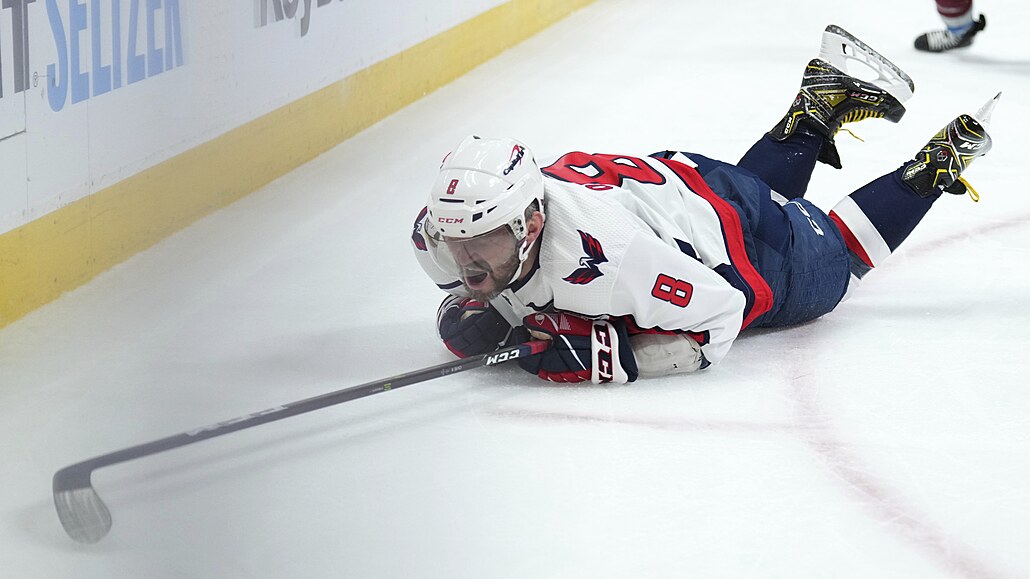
<point x="889" y="439"/>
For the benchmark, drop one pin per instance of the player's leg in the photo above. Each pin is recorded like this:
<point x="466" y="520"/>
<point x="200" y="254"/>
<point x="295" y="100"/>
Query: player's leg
<point x="829" y="97"/>
<point x="786" y="165"/>
<point x="878" y="217"/>
<point x="826" y="254"/>
<point x="808" y="269"/>
<point x="960" y="27"/>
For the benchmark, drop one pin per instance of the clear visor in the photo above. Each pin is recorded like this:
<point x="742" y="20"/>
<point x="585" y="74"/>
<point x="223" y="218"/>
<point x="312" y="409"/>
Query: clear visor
<point x="485" y="263"/>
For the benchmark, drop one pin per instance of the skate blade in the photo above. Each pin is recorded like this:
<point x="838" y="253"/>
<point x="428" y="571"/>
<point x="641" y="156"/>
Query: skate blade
<point x="983" y="116"/>
<point x="840" y="46"/>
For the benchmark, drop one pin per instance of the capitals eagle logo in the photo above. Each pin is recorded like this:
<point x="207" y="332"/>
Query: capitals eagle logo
<point x="588" y="270"/>
<point x="416" y="232"/>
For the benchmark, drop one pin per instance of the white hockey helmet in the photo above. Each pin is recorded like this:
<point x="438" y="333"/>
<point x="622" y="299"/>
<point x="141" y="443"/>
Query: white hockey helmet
<point x="484" y="188"/>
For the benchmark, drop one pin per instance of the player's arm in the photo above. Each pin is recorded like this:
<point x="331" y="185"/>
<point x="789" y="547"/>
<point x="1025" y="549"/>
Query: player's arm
<point x="659" y="322"/>
<point x="694" y="315"/>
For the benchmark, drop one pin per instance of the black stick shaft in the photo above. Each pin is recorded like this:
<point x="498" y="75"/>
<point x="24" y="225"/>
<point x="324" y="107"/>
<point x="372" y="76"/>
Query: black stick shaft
<point x="78" y="475"/>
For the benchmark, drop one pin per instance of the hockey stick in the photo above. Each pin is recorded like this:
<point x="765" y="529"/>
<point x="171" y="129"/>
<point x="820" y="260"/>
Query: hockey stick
<point x="86" y="518"/>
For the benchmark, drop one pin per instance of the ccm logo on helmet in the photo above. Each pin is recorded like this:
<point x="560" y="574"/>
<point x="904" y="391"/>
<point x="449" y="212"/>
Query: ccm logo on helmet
<point x="450" y="219"/>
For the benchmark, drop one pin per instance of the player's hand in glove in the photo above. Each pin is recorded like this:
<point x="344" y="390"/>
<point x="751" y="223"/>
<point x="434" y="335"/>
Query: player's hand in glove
<point x="581" y="349"/>
<point x="468" y="327"/>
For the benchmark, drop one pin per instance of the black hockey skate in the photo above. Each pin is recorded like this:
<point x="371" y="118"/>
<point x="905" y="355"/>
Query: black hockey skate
<point x="938" y="166"/>
<point x="943" y="40"/>
<point x="830" y="97"/>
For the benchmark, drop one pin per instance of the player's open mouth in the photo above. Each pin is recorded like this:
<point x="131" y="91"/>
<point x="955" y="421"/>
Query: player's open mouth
<point x="475" y="274"/>
<point x="476" y="279"/>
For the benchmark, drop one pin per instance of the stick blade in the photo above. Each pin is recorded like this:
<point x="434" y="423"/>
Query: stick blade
<point x="83" y="514"/>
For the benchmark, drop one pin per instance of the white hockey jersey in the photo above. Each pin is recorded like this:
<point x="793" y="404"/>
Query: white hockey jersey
<point x="637" y="237"/>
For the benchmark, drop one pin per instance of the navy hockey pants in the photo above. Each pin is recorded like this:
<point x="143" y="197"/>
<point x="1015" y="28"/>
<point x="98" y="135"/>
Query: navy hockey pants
<point x="795" y="247"/>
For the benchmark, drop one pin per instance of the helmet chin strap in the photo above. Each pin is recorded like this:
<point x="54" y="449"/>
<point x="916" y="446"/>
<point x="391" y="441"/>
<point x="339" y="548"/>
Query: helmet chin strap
<point x="524" y="250"/>
<point x="523" y="254"/>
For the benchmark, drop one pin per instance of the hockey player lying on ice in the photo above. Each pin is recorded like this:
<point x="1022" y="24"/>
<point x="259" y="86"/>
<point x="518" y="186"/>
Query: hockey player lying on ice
<point x="647" y="266"/>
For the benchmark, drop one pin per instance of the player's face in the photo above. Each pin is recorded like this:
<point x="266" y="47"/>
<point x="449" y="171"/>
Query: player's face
<point x="486" y="263"/>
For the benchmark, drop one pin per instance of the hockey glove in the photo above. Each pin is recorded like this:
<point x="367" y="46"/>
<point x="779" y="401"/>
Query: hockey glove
<point x="581" y="349"/>
<point x="469" y="328"/>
